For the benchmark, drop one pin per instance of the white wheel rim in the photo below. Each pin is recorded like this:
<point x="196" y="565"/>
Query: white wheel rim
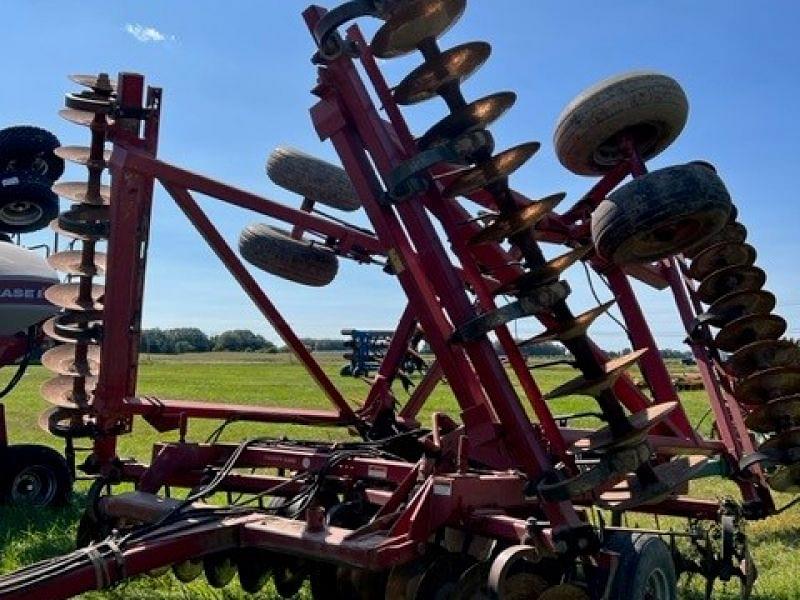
<point x="34" y="485"/>
<point x="21" y="213"/>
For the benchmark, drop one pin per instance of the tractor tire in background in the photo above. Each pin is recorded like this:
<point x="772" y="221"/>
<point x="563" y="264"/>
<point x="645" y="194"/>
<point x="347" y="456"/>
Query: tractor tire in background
<point x="646" y="570"/>
<point x="660" y="214"/>
<point x="650" y="107"/>
<point x="27" y="203"/>
<point x="312" y="178"/>
<point x="28" y="148"/>
<point x="34" y="475"/>
<point x="276" y="252"/>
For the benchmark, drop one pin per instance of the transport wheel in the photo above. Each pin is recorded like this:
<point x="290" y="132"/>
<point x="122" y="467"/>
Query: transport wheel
<point x="440" y="580"/>
<point x="26" y="202"/>
<point x="660" y="214"/>
<point x="312" y="178"/>
<point x="650" y="107"/>
<point x="35" y="476"/>
<point x="275" y="251"/>
<point x="28" y="148"/>
<point x="646" y="570"/>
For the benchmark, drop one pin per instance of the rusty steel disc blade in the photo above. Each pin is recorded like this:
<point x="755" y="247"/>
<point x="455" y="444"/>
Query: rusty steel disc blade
<point x="454" y="66"/>
<point x="719" y="256"/>
<point x="60" y="391"/>
<point x="763" y="355"/>
<point x="472" y="583"/>
<point x="591" y="387"/>
<point x="80" y="193"/>
<point x="671" y="476"/>
<point x="52" y="414"/>
<point x="768" y="385"/>
<point x="548" y="272"/>
<point x="729" y="280"/>
<point x="81" y="155"/>
<point x="55" y="226"/>
<point x="442" y="575"/>
<point x="72" y="262"/>
<point x="780" y="413"/>
<point x="640" y="423"/>
<point x="78" y="117"/>
<point x="100" y="83"/>
<point x="472" y="117"/>
<point x="65" y="422"/>
<point x="67" y="295"/>
<point x="505" y="226"/>
<point x="80" y="327"/>
<point x="562" y="591"/>
<point x="404" y="579"/>
<point x="523" y="586"/>
<point x="85" y="222"/>
<point x="413" y="23"/>
<point x="62" y="360"/>
<point x="498" y="167"/>
<point x="89" y="101"/>
<point x="733" y="232"/>
<point x="579" y="326"/>
<point x="741" y="304"/>
<point x="749" y="329"/>
<point x="785" y="478"/>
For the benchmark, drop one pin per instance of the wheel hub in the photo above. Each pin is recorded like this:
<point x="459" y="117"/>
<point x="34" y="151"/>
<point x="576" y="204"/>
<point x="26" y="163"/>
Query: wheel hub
<point x="21" y="213"/>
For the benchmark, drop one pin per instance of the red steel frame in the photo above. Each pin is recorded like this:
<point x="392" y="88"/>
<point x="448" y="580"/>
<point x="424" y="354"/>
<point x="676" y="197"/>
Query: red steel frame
<point x="436" y="292"/>
<point x="496" y="429"/>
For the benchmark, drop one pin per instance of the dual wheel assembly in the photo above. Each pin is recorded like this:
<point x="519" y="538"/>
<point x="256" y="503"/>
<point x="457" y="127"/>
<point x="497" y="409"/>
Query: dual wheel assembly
<point x="28" y="167"/>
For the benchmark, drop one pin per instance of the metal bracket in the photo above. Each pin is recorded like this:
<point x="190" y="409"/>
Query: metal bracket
<point x="537" y="301"/>
<point x="697" y="332"/>
<point x="131" y="112"/>
<point x="408" y="179"/>
<point x="610" y="466"/>
<point x="328" y="41"/>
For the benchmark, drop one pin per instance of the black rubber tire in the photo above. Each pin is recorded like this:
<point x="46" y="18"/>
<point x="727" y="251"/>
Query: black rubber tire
<point x="34" y="475"/>
<point x="27" y="203"/>
<point x="312" y="178"/>
<point x="274" y="251"/>
<point x="650" y="106"/>
<point x="29" y="148"/>
<point x="645" y="567"/>
<point x="660" y="214"/>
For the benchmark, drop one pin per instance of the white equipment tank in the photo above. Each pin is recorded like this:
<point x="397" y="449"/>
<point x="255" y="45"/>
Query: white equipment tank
<point x="24" y="276"/>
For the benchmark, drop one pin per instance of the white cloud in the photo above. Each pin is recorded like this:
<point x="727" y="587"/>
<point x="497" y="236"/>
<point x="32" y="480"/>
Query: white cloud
<point x="147" y="34"/>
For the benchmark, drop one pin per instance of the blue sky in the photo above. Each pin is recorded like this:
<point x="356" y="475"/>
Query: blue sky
<point x="236" y="84"/>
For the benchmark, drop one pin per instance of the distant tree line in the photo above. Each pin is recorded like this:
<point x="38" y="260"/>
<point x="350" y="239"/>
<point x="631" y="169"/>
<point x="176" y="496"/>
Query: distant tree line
<point x="668" y="353"/>
<point x="191" y="339"/>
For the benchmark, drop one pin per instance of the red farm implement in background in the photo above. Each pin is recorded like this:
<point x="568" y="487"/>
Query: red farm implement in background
<point x="486" y="503"/>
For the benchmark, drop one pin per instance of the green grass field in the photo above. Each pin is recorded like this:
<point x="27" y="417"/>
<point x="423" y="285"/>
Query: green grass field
<point x="27" y="536"/>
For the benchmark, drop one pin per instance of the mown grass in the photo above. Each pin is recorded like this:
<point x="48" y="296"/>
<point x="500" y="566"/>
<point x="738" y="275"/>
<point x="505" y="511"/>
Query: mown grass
<point x="27" y="536"/>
